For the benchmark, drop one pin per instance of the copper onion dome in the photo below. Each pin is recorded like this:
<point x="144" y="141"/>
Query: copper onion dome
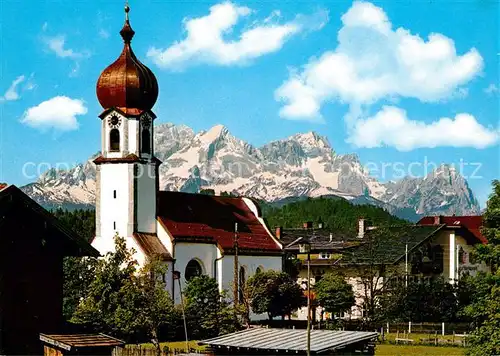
<point x="127" y="84"/>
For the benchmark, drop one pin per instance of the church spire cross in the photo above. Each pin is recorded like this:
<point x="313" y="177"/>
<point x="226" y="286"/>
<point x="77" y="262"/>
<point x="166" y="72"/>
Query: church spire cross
<point x="126" y="32"/>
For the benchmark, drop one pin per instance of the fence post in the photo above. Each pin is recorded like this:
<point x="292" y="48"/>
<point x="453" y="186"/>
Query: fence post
<point x="388" y="328"/>
<point x="442" y="328"/>
<point x="409" y="327"/>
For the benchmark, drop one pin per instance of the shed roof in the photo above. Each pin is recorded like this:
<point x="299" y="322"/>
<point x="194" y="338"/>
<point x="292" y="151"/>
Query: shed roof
<point x="71" y="341"/>
<point x="212" y="219"/>
<point x="152" y="246"/>
<point x="289" y="339"/>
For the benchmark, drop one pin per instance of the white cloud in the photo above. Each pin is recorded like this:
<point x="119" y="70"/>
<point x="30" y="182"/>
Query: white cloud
<point x="57" y="45"/>
<point x="491" y="89"/>
<point x="374" y="61"/>
<point x="12" y="92"/>
<point x="206" y="41"/>
<point x="391" y="127"/>
<point x="58" y="113"/>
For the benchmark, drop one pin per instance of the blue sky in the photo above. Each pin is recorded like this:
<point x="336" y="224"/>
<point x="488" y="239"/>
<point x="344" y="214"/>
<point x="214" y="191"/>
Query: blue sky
<point x="398" y="83"/>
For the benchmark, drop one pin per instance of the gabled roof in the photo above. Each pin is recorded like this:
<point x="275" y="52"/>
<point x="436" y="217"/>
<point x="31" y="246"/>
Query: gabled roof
<point x="211" y="219"/>
<point x="11" y="194"/>
<point x="471" y="223"/>
<point x="387" y="245"/>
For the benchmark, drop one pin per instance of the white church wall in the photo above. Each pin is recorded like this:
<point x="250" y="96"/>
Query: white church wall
<point x="250" y="263"/>
<point x="205" y="254"/>
<point x="146" y="205"/>
<point x="114" y="211"/>
<point x="165" y="237"/>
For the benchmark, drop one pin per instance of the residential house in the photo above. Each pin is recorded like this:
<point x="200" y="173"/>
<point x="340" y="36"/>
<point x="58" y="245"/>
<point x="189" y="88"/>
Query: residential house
<point x="32" y="247"/>
<point x="376" y="256"/>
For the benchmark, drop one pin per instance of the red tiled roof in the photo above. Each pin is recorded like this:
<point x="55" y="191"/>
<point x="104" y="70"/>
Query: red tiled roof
<point x="152" y="246"/>
<point x="471" y="223"/>
<point x="212" y="218"/>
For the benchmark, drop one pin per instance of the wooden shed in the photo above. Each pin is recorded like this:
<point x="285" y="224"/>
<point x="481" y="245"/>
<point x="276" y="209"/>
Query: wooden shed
<point x="79" y="344"/>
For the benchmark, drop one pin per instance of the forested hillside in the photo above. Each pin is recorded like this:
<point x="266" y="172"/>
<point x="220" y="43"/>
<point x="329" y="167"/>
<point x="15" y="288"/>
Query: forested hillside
<point x="336" y="214"/>
<point x="81" y="221"/>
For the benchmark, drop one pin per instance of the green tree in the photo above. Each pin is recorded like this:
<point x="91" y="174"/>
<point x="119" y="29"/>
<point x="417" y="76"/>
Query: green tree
<point x="126" y="302"/>
<point x="79" y="273"/>
<point x="333" y="293"/>
<point x="145" y="305"/>
<point x="485" y="306"/>
<point x="490" y="253"/>
<point x="208" y="313"/>
<point x="207" y="191"/>
<point x="274" y="293"/>
<point x="104" y="294"/>
<point x="433" y="300"/>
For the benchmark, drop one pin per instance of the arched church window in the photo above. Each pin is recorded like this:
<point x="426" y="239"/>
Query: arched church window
<point x="193" y="269"/>
<point x="146" y="141"/>
<point x="114" y="140"/>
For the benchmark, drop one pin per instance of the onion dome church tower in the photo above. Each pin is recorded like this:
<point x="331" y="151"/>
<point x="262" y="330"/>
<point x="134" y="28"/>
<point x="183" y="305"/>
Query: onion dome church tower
<point x="127" y="170"/>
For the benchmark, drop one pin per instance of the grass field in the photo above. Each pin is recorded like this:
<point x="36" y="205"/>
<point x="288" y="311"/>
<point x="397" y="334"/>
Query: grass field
<point x="396" y="350"/>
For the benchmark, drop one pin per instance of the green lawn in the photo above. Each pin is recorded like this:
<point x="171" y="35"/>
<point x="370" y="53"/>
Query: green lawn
<point x="396" y="350"/>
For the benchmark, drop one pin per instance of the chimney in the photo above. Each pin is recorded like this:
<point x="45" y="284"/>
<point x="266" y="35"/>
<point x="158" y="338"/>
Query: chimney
<point x="307" y="225"/>
<point x="437" y="220"/>
<point x="278" y="232"/>
<point x="361" y="228"/>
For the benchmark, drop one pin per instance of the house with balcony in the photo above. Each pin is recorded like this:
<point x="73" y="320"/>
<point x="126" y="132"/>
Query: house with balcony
<point x="376" y="257"/>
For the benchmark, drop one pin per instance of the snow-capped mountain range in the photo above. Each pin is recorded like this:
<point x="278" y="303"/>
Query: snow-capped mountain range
<point x="298" y="166"/>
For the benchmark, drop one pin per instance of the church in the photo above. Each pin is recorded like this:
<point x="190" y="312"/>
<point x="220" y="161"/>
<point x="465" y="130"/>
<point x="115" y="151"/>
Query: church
<point x="193" y="234"/>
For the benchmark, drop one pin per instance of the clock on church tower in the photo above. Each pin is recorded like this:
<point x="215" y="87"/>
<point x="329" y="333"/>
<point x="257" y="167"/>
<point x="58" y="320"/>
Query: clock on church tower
<point x="127" y="170"/>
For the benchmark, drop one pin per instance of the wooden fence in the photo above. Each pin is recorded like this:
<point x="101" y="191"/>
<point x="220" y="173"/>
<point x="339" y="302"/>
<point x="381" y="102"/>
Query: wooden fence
<point x="138" y="350"/>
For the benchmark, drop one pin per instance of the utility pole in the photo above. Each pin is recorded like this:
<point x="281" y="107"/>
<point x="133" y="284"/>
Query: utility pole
<point x="406" y="265"/>
<point x="236" y="274"/>
<point x="309" y="303"/>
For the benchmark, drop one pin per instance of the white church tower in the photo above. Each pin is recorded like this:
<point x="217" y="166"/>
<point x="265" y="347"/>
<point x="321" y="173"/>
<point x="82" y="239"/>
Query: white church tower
<point x="127" y="170"/>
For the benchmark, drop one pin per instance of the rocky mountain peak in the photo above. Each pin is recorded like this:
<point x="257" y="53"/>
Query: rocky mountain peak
<point x="300" y="165"/>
